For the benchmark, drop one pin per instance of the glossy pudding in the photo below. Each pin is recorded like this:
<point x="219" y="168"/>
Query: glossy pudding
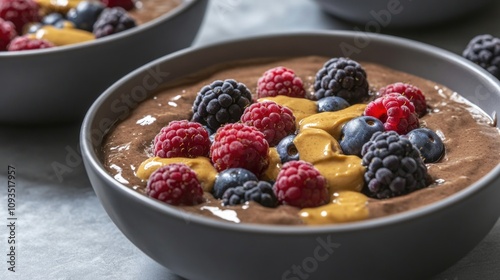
<point x="469" y="135"/>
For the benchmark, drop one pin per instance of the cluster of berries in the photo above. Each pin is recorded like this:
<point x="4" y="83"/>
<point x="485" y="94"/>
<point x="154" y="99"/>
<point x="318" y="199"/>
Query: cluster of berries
<point x="235" y="133"/>
<point x="392" y="145"/>
<point x="21" y="19"/>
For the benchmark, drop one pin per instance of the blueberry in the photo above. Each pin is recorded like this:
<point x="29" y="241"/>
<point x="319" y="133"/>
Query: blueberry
<point x="331" y="104"/>
<point x="52" y="18"/>
<point x="85" y="14"/>
<point x="356" y="132"/>
<point x="33" y="28"/>
<point x="231" y="178"/>
<point x="286" y="149"/>
<point x="429" y="144"/>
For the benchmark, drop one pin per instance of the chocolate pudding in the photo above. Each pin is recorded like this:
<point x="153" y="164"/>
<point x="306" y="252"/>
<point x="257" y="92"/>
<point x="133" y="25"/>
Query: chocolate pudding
<point x="469" y="136"/>
<point x="147" y="10"/>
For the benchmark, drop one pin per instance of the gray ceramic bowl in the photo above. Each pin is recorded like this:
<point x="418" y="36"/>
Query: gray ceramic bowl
<point x="411" y="245"/>
<point x="399" y="13"/>
<point x="60" y="84"/>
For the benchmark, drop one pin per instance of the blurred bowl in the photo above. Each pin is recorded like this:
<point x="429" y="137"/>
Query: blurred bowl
<point x="60" y="84"/>
<point x="399" y="14"/>
<point x="412" y="245"/>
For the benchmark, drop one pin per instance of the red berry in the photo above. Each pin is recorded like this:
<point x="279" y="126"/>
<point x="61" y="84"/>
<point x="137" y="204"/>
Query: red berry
<point x="411" y="92"/>
<point x="175" y="184"/>
<point x="126" y="4"/>
<point x="270" y="118"/>
<point x="300" y="184"/>
<point x="280" y="81"/>
<point x="24" y="43"/>
<point x="237" y="145"/>
<point x="182" y="139"/>
<point x="395" y="111"/>
<point x="19" y="12"/>
<point x="7" y="33"/>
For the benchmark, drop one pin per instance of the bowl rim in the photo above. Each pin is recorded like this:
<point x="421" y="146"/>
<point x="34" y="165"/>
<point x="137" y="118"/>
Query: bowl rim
<point x="180" y="9"/>
<point x="92" y="159"/>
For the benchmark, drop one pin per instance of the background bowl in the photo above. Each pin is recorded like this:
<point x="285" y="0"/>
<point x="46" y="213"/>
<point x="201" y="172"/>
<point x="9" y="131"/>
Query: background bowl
<point x="400" y="13"/>
<point x="411" y="245"/>
<point x="60" y="84"/>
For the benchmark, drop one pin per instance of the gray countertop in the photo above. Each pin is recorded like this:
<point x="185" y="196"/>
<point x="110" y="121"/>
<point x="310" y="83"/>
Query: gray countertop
<point x="62" y="231"/>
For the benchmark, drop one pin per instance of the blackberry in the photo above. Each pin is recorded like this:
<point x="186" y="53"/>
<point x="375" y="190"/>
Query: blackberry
<point x="341" y="77"/>
<point x="258" y="191"/>
<point x="393" y="166"/>
<point x="231" y="178"/>
<point x="111" y="21"/>
<point x="221" y="102"/>
<point x="484" y="50"/>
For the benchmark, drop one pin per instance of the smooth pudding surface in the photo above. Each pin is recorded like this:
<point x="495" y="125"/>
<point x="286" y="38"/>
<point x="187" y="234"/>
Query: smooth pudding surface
<point x="468" y="135"/>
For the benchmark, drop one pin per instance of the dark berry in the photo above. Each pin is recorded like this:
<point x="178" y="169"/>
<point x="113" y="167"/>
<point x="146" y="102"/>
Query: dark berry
<point x="258" y="191"/>
<point x="484" y="50"/>
<point x="85" y="14"/>
<point x="331" y="104"/>
<point x="341" y="77"/>
<point x="393" y="166"/>
<point x="33" y="27"/>
<point x="356" y="132"/>
<point x="112" y="21"/>
<point x="287" y="150"/>
<point x="231" y="178"/>
<point x="52" y="18"/>
<point x="221" y="102"/>
<point x="429" y="144"/>
<point x="126" y="4"/>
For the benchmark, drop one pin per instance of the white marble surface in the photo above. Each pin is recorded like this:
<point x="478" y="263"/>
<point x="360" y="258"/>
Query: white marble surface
<point x="63" y="232"/>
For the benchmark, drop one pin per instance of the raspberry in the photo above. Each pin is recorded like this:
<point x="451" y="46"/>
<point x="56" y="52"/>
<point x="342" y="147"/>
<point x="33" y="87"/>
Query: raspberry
<point x="411" y="92"/>
<point x="126" y="4"/>
<point x="175" y="184"/>
<point x="393" y="166"/>
<point x="258" y="191"/>
<point x="484" y="50"/>
<point x="280" y="81"/>
<point x="221" y="102"/>
<point x="111" y="21"/>
<point x="240" y="145"/>
<point x="182" y="139"/>
<point x="341" y="77"/>
<point x="7" y="33"/>
<point x="272" y="119"/>
<point x="300" y="184"/>
<point x="19" y="12"/>
<point x="395" y="111"/>
<point x="23" y="43"/>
